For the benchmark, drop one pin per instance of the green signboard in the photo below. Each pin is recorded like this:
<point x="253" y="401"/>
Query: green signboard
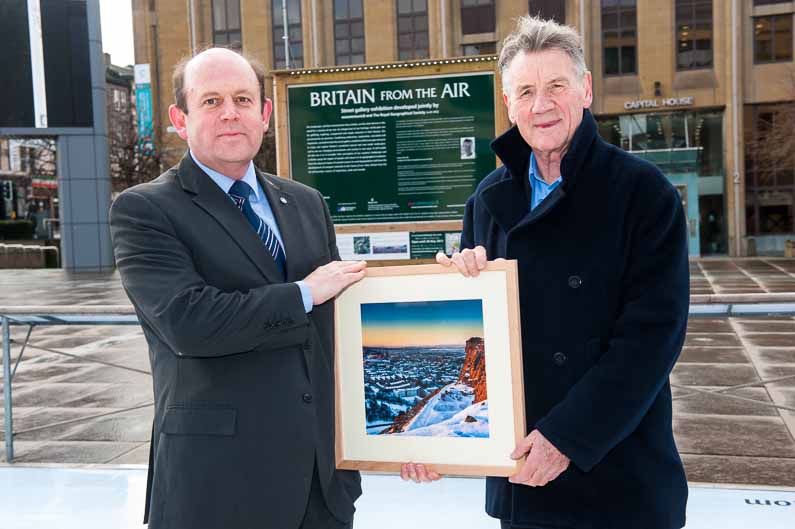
<point x="396" y="150"/>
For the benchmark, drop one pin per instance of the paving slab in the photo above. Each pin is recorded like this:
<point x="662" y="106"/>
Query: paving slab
<point x="73" y="452"/>
<point x="714" y="355"/>
<point x="689" y="402"/>
<point x="709" y="468"/>
<point x="689" y="374"/>
<point x="724" y="435"/>
<point x="771" y="340"/>
<point x="711" y="339"/>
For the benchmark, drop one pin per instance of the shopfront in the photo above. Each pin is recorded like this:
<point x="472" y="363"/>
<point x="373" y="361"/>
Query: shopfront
<point x="687" y="145"/>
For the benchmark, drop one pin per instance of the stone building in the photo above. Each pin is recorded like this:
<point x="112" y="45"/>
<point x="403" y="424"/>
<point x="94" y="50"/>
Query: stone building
<point x="704" y="88"/>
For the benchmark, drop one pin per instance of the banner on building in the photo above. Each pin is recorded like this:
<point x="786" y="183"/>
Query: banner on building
<point x="143" y="104"/>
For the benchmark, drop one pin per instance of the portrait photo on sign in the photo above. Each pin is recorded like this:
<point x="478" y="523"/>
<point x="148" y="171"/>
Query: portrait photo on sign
<point x="425" y="368"/>
<point x="428" y="370"/>
<point x="467" y="148"/>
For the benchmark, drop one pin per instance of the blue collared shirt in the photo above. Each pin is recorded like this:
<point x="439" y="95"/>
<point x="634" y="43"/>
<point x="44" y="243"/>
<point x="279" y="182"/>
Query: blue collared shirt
<point x="259" y="203"/>
<point x="540" y="189"/>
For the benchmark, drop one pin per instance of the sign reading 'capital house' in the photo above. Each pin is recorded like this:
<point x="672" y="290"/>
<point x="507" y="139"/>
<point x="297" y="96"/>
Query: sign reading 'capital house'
<point x="393" y="150"/>
<point x="657" y="103"/>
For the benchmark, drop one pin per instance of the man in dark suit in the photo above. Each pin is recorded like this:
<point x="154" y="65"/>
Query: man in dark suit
<point x="233" y="273"/>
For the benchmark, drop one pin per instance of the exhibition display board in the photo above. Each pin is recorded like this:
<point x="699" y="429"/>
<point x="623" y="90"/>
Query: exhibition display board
<point x="395" y="149"/>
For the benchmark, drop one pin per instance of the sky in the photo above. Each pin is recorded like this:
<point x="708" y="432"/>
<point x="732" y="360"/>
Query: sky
<point x="117" y="33"/>
<point x="419" y="324"/>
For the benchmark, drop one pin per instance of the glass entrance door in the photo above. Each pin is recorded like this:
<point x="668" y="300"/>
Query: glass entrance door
<point x="687" y="185"/>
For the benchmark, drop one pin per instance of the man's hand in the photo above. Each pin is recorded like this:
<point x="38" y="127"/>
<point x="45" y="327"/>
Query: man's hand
<point x="330" y="279"/>
<point x="469" y="261"/>
<point x="417" y="473"/>
<point x="544" y="462"/>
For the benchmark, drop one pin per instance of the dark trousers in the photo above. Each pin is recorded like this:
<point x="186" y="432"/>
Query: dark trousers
<point x="317" y="515"/>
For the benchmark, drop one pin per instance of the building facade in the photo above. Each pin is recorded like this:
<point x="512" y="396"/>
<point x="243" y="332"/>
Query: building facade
<point x="673" y="82"/>
<point x="28" y="165"/>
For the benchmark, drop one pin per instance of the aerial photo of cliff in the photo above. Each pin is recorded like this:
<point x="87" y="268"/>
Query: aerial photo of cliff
<point x="425" y="368"/>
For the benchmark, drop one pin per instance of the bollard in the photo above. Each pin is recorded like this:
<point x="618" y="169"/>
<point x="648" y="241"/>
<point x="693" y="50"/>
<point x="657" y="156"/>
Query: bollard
<point x="51" y="257"/>
<point x="16" y="255"/>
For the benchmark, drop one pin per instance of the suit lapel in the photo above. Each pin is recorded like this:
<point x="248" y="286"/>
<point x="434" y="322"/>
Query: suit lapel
<point x="210" y="197"/>
<point x="286" y="213"/>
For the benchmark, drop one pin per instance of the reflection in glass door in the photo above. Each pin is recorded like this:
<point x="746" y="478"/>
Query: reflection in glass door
<point x="687" y="185"/>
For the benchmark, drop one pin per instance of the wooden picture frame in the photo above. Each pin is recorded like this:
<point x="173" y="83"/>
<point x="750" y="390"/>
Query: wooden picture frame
<point x="415" y="383"/>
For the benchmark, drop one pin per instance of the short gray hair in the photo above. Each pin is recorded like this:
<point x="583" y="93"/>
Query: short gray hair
<point x="534" y="34"/>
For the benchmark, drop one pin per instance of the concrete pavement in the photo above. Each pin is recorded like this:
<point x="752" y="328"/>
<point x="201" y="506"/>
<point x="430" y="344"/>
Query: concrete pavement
<point x="70" y="409"/>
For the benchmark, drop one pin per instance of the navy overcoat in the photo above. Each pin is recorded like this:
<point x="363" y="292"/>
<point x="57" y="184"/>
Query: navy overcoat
<point x="604" y="288"/>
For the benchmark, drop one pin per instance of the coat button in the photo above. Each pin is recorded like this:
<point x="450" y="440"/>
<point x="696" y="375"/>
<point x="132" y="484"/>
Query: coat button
<point x="307" y="397"/>
<point x="559" y="358"/>
<point x="575" y="282"/>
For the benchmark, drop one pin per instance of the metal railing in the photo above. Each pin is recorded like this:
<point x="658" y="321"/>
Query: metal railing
<point x="36" y="316"/>
<point x="708" y="305"/>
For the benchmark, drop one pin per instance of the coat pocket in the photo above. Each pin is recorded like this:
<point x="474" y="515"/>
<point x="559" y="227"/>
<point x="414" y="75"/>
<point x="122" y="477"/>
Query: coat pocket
<point x="190" y="420"/>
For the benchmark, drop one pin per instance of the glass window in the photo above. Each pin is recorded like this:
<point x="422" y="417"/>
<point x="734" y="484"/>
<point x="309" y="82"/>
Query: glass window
<point x="477" y="16"/>
<point x="481" y="48"/>
<point x="226" y="23"/>
<point x="548" y="9"/>
<point x="348" y="32"/>
<point x="681" y="141"/>
<point x="769" y="162"/>
<point x="694" y="34"/>
<point x="773" y="38"/>
<point x="619" y="36"/>
<point x="294" y="33"/>
<point x="412" y="29"/>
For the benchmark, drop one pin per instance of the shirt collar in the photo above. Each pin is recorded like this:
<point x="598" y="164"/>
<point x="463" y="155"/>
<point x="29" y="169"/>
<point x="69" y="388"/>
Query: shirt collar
<point x="225" y="182"/>
<point x="534" y="173"/>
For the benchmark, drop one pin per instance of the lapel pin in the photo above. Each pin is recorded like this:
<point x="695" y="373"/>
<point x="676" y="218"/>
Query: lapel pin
<point x="283" y="200"/>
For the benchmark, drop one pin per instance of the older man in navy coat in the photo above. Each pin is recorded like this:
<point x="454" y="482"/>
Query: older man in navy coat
<point x="601" y="243"/>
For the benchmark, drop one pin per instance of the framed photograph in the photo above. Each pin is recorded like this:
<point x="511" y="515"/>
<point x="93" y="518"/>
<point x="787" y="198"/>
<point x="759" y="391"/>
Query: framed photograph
<point x="429" y="370"/>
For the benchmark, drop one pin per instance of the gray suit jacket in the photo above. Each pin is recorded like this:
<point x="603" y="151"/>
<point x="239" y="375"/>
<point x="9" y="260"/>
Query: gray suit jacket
<point x="243" y="377"/>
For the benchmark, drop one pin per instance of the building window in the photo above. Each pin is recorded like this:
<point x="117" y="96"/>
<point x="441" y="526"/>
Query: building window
<point x="548" y="9"/>
<point x="619" y="36"/>
<point x="348" y="32"/>
<point x="226" y="24"/>
<point x="296" y="38"/>
<point x="770" y="168"/>
<point x="678" y="142"/>
<point x="773" y="38"/>
<point x="477" y="16"/>
<point x="681" y="141"/>
<point x="412" y="18"/>
<point x="119" y="100"/>
<point x="694" y="34"/>
<point x="481" y="48"/>
<point x="5" y="156"/>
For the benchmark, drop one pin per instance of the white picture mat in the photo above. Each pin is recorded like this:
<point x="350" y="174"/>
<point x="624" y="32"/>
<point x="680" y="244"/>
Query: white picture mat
<point x="491" y="288"/>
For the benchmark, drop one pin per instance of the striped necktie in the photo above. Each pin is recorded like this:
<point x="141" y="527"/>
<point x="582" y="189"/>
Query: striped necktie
<point x="240" y="192"/>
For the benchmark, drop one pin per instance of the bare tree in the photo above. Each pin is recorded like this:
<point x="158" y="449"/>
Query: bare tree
<point x="132" y="160"/>
<point x="770" y="134"/>
<point x="266" y="157"/>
